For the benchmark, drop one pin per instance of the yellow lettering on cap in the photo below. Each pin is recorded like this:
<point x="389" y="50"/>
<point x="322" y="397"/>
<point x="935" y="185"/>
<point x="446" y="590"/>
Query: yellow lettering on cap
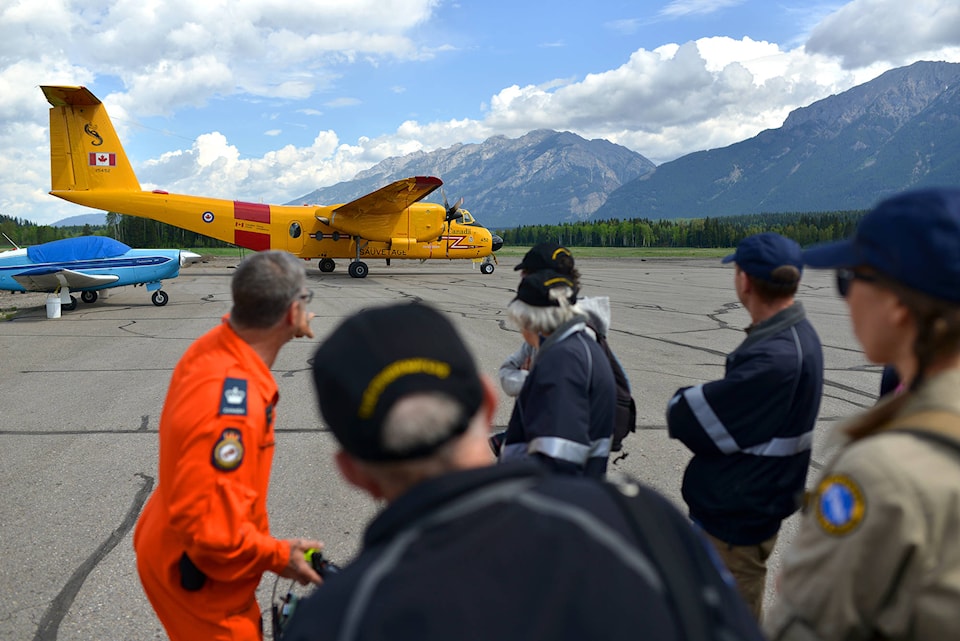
<point x="392" y="372"/>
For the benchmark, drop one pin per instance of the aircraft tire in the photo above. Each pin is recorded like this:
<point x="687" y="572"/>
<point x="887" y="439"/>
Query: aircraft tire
<point x="160" y="298"/>
<point x="327" y="265"/>
<point x="72" y="305"/>
<point x="359" y="269"/>
<point x="486" y="268"/>
<point x="89" y="296"/>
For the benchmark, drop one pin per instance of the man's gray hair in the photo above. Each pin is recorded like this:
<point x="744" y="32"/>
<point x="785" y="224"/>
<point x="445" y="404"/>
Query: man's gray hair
<point x="420" y="419"/>
<point x="263" y="287"/>
<point x="545" y="320"/>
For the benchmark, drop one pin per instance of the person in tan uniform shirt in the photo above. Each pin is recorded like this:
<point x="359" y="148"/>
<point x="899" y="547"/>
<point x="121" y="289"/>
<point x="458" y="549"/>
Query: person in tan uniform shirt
<point x="877" y="555"/>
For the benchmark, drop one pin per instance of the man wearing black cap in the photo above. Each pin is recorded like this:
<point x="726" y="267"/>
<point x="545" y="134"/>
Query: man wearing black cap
<point x="542" y="256"/>
<point x="470" y="550"/>
<point x="751" y="431"/>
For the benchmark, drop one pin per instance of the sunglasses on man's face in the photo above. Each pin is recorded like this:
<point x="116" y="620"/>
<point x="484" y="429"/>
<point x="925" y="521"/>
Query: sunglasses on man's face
<point x="846" y="276"/>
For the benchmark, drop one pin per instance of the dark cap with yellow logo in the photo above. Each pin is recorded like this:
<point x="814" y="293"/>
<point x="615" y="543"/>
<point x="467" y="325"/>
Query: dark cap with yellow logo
<point x="380" y="355"/>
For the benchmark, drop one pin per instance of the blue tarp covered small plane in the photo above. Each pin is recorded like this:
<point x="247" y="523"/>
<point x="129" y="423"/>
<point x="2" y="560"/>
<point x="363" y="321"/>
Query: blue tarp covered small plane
<point x="88" y="264"/>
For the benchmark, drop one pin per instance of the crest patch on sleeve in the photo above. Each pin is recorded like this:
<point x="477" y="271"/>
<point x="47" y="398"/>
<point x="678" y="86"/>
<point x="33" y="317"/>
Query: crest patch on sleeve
<point x="840" y="504"/>
<point x="228" y="452"/>
<point x="233" y="399"/>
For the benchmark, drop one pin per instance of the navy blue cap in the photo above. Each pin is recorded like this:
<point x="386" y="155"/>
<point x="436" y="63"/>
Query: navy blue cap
<point x="534" y="289"/>
<point x="912" y="238"/>
<point x="761" y="254"/>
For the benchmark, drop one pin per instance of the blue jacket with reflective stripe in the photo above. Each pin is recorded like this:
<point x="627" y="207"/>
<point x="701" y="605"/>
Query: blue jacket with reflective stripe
<point x="751" y="431"/>
<point x="564" y="413"/>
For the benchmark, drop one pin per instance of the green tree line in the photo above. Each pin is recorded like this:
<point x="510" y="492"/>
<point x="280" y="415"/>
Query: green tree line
<point x="726" y="231"/>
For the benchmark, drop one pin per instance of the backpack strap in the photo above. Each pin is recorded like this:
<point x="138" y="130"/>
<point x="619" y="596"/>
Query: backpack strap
<point x="939" y="426"/>
<point x="680" y="573"/>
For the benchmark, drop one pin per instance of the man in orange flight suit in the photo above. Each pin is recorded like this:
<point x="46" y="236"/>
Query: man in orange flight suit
<point x="203" y="540"/>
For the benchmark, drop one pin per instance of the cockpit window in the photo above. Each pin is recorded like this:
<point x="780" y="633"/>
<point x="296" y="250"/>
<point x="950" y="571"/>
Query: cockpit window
<point x="467" y="219"/>
<point x="295" y="230"/>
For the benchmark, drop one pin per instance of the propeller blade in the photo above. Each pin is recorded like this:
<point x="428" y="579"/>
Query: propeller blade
<point x="452" y="211"/>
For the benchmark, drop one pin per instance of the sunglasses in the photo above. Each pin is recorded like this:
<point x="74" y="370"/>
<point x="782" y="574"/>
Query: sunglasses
<point x="847" y="276"/>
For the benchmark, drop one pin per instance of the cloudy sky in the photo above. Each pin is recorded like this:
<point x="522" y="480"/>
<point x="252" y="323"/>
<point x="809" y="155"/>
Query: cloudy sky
<point x="268" y="100"/>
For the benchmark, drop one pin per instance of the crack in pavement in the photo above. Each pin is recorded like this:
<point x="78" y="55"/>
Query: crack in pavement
<point x="49" y="625"/>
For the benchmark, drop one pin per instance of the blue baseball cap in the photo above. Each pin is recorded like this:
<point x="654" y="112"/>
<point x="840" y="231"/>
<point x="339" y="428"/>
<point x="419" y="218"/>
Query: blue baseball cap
<point x="761" y="254"/>
<point x="912" y="238"/>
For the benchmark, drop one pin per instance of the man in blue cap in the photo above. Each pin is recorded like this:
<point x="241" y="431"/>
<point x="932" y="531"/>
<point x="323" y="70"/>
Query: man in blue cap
<point x="751" y="431"/>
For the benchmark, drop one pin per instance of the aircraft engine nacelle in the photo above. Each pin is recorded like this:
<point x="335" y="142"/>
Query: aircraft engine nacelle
<point x="426" y="222"/>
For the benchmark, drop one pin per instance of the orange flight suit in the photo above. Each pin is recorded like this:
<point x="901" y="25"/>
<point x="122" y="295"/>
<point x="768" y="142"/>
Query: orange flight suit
<point x="216" y="450"/>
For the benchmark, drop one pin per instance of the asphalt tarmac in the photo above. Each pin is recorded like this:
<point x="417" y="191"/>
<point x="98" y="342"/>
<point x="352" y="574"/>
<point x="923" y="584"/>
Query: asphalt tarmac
<point x="81" y="396"/>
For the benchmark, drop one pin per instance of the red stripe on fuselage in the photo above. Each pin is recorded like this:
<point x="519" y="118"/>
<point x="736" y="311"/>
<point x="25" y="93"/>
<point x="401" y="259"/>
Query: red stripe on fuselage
<point x="251" y="211"/>
<point x="251" y="240"/>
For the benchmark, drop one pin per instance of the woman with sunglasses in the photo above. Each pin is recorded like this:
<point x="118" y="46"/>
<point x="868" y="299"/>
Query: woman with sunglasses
<point x="877" y="554"/>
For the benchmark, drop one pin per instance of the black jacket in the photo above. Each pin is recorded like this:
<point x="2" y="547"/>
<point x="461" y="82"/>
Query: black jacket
<point x="564" y="413"/>
<point x="751" y="431"/>
<point x="506" y="552"/>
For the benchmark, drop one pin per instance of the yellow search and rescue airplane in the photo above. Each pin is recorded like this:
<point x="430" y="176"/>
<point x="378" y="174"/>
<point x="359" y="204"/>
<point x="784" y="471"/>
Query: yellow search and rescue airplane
<point x="89" y="167"/>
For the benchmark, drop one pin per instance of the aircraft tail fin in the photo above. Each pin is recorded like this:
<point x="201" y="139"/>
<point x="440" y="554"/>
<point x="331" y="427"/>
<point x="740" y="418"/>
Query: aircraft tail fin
<point x="85" y="151"/>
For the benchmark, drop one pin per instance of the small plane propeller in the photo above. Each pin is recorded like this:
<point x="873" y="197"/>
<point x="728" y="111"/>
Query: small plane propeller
<point x="451" y="211"/>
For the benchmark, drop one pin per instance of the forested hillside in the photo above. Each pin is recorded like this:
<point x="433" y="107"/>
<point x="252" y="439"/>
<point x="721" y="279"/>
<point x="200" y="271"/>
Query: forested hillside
<point x="805" y="228"/>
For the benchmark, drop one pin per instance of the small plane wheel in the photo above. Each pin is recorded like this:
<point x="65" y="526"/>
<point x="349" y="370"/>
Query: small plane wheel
<point x="486" y="268"/>
<point x="89" y="296"/>
<point x="72" y="305"/>
<point x="327" y="265"/>
<point x="359" y="269"/>
<point x="160" y="298"/>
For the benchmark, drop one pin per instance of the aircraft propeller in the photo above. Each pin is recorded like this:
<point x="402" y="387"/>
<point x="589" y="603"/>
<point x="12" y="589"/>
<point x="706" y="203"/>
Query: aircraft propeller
<point x="451" y="211"/>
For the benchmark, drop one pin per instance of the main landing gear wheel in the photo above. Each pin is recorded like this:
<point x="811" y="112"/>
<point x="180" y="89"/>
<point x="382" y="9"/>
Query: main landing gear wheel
<point x="327" y="265"/>
<point x="486" y="268"/>
<point x="89" y="296"/>
<point x="359" y="269"/>
<point x="160" y="298"/>
<point x="72" y="305"/>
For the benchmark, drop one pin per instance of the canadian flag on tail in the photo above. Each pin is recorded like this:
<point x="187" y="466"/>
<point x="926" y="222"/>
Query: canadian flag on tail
<point x="102" y="159"/>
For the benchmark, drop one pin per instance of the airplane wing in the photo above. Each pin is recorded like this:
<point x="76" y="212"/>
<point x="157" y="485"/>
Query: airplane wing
<point x="48" y="280"/>
<point x="374" y="215"/>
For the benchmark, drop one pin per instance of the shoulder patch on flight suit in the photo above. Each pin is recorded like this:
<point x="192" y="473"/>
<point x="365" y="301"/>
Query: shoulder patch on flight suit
<point x="840" y="504"/>
<point x="228" y="452"/>
<point x="233" y="399"/>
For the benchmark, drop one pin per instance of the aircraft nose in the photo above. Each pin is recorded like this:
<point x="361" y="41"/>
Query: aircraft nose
<point x="497" y="242"/>
<point x="188" y="258"/>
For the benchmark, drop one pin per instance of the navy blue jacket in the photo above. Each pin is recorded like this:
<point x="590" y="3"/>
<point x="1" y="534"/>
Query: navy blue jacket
<point x="509" y="552"/>
<point x="563" y="415"/>
<point x="751" y="431"/>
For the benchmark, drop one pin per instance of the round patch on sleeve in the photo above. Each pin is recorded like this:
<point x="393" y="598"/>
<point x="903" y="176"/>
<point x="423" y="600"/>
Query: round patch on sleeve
<point x="840" y="505"/>
<point x="228" y="452"/>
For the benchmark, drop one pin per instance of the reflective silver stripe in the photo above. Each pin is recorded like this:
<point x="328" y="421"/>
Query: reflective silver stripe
<point x="724" y="441"/>
<point x="783" y="446"/>
<point x="566" y="450"/>
<point x="513" y="451"/>
<point x="711" y="423"/>
<point x="599" y="531"/>
<point x="558" y="448"/>
<point x="601" y="447"/>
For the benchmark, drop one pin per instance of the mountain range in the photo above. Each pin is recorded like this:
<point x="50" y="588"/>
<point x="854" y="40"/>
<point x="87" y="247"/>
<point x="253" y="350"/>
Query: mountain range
<point x="544" y="176"/>
<point x="845" y="152"/>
